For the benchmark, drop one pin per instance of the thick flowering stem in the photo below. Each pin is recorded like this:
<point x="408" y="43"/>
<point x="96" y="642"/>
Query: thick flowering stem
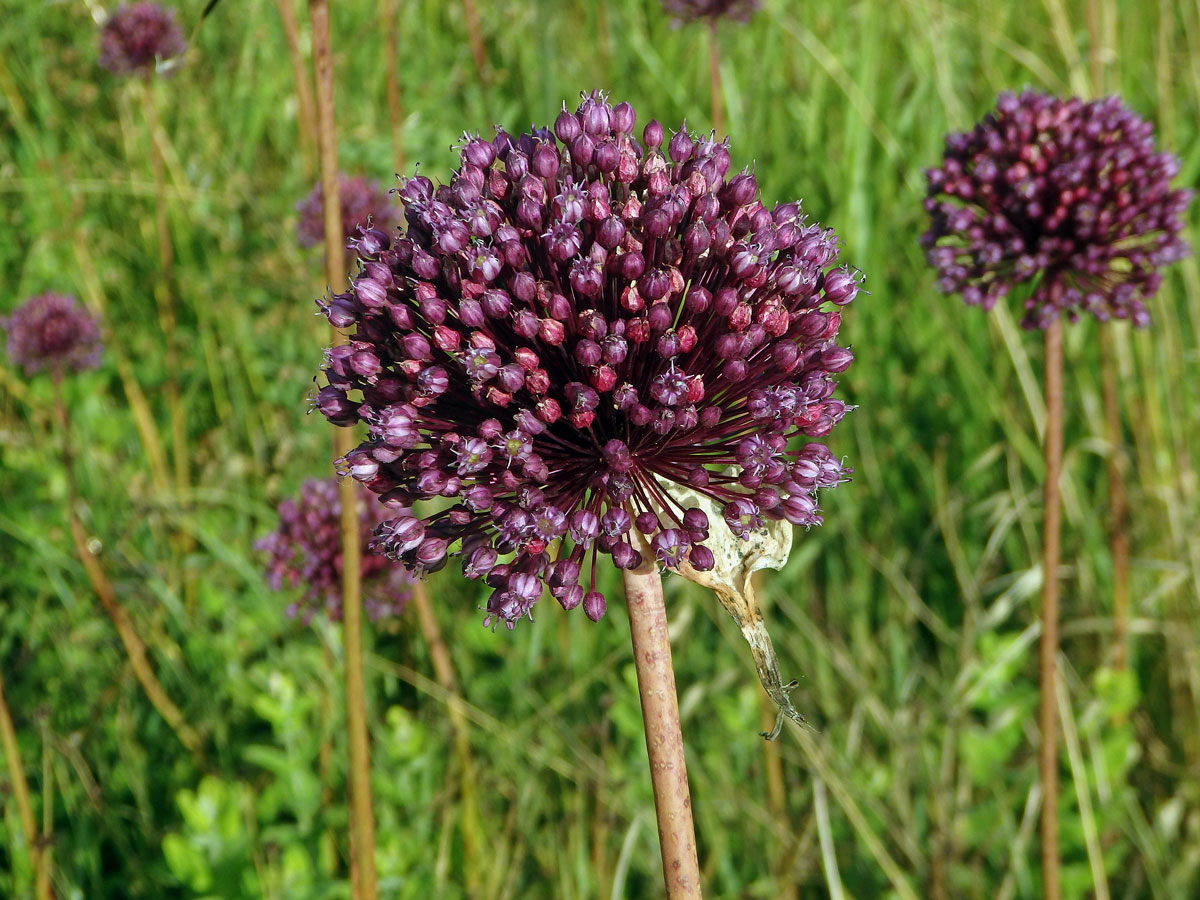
<point x="20" y="789"/>
<point x="361" y="812"/>
<point x="1048" y="665"/>
<point x="664" y="738"/>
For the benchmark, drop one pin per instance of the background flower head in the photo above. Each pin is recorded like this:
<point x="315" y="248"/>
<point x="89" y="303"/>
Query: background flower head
<point x="305" y="551"/>
<point x="55" y="332"/>
<point x="1072" y="197"/>
<point x="362" y="202"/>
<point x="139" y="34"/>
<point x="576" y="321"/>
<point x="696" y="10"/>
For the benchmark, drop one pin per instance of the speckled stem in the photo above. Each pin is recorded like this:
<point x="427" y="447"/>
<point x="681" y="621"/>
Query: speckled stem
<point x="664" y="738"/>
<point x="1048" y="661"/>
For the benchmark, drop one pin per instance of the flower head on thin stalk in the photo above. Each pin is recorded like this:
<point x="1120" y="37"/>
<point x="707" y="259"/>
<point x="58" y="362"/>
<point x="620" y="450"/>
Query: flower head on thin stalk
<point x="54" y="332"/>
<point x="1072" y="197"/>
<point x="711" y="10"/>
<point x="137" y="36"/>
<point x="305" y="551"/>
<point x="363" y="202"/>
<point x="571" y="324"/>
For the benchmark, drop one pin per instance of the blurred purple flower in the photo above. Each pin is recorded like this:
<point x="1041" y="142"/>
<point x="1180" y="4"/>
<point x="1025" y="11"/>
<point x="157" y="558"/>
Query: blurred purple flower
<point x="695" y="10"/>
<point x="138" y="35"/>
<point x="362" y="202"/>
<point x="55" y="332"/>
<point x="305" y="551"/>
<point x="571" y="324"/>
<point x="1071" y="196"/>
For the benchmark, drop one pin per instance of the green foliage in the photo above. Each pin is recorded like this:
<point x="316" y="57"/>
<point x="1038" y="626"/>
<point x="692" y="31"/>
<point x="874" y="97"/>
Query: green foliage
<point x="908" y="618"/>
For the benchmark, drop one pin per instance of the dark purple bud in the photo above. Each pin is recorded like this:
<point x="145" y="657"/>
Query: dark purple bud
<point x="566" y="126"/>
<point x="594" y="605"/>
<point x="652" y="135"/>
<point x="545" y="161"/>
<point x="647" y="522"/>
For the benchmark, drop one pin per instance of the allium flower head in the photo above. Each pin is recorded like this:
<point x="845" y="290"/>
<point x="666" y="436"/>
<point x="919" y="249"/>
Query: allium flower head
<point x="306" y="551"/>
<point x="55" y="332"/>
<point x="711" y="10"/>
<point x="138" y="35"/>
<point x="362" y="201"/>
<point x="572" y="324"/>
<point x="1070" y="196"/>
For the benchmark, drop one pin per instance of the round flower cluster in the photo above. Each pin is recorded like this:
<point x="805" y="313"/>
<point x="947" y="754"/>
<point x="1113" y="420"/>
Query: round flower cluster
<point x="362" y="202"/>
<point x="137" y="35"/>
<point x="696" y="10"/>
<point x="572" y="324"/>
<point x="55" y="332"/>
<point x="1072" y="196"/>
<point x="305" y="550"/>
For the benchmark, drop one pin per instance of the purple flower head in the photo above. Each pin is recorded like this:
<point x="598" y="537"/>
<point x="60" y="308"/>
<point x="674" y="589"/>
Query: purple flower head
<point x="1069" y="196"/>
<point x="305" y="552"/>
<point x="362" y="202"/>
<point x="704" y="357"/>
<point x="55" y="332"/>
<point x="136" y="36"/>
<point x="711" y="10"/>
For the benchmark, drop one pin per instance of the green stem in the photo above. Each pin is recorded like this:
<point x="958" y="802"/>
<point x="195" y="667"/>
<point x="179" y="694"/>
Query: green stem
<point x="20" y="788"/>
<point x="1048" y="656"/>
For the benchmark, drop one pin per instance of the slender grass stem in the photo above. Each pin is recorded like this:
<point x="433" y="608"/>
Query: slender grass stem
<point x="1118" y="506"/>
<point x="664" y="737"/>
<point x="1048" y="664"/>
<point x="716" y="94"/>
<point x="135" y="647"/>
<point x="443" y="668"/>
<point x="164" y="295"/>
<point x="42" y="889"/>
<point x="785" y="888"/>
<point x="1100" y="39"/>
<point x="475" y="38"/>
<point x="20" y="789"/>
<point x="164" y="288"/>
<point x="395" y="106"/>
<point x="302" y="79"/>
<point x="362" y="814"/>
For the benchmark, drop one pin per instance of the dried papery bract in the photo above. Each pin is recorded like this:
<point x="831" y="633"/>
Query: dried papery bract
<point x="362" y="203"/>
<point x="139" y="36"/>
<point x="575" y="319"/>
<point x="1073" y="201"/>
<point x="304" y="552"/>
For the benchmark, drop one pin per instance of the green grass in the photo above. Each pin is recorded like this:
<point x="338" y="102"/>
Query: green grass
<point x="908" y="618"/>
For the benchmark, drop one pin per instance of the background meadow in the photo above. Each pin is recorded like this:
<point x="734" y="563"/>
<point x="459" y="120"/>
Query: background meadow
<point x="909" y="618"/>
